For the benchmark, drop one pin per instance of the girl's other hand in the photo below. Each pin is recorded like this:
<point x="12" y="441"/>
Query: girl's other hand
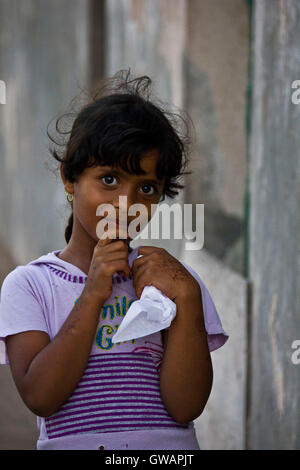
<point x="158" y="268"/>
<point x="109" y="256"/>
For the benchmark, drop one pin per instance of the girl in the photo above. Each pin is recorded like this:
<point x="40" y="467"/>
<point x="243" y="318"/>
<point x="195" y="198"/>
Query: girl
<point x="59" y="312"/>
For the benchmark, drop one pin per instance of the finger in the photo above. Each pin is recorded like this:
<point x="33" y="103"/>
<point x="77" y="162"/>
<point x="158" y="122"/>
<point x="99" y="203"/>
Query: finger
<point x="117" y="232"/>
<point x="111" y="247"/>
<point x="118" y="251"/>
<point x="113" y="266"/>
<point x="117" y="256"/>
<point x="138" y="262"/>
<point x="140" y="281"/>
<point x="139" y="274"/>
<point x="126" y="271"/>
<point x="147" y="250"/>
<point x="118" y="246"/>
<point x="104" y="241"/>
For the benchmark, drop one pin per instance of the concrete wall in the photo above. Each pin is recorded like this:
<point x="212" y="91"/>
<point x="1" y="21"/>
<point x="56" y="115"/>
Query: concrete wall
<point x="216" y="76"/>
<point x="43" y="61"/>
<point x="222" y="425"/>
<point x="216" y="79"/>
<point x="44" y="54"/>
<point x="274" y="401"/>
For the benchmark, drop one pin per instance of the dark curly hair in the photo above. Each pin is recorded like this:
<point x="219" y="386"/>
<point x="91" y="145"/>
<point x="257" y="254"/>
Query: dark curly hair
<point x="116" y="127"/>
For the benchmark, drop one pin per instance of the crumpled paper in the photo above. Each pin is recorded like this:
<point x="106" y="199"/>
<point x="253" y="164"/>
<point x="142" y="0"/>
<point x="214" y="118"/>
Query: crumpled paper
<point x="153" y="312"/>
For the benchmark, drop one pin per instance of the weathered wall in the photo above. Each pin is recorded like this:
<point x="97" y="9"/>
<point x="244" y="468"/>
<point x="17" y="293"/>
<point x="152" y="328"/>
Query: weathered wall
<point x="216" y="75"/>
<point x="43" y="59"/>
<point x="148" y="36"/>
<point x="216" y="79"/>
<point x="274" y="420"/>
<point x="168" y="40"/>
<point x="222" y="425"/>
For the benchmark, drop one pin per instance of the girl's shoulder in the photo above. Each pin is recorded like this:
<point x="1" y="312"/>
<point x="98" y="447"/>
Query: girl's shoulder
<point x="26" y="273"/>
<point x="20" y="276"/>
<point x="31" y="279"/>
<point x="22" y="304"/>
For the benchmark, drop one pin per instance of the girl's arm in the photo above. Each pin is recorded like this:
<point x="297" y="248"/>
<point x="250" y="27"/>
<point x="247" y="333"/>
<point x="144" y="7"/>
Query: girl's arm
<point x="46" y="372"/>
<point x="186" y="373"/>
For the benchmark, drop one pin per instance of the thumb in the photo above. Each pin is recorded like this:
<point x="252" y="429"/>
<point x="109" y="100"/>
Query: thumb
<point x="104" y="241"/>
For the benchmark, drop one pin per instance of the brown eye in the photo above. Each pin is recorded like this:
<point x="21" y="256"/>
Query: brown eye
<point x="149" y="186"/>
<point x="109" y="177"/>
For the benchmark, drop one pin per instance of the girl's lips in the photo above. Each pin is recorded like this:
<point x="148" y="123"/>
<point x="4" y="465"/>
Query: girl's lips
<point x="123" y="227"/>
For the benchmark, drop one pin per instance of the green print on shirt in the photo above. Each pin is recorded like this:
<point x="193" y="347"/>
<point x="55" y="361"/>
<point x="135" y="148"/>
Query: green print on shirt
<point x="110" y="311"/>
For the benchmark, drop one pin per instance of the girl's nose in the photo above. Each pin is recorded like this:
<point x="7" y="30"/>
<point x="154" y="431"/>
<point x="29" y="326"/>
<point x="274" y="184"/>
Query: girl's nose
<point x="125" y="200"/>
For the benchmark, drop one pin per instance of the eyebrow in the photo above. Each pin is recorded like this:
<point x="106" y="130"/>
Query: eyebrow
<point x="119" y="172"/>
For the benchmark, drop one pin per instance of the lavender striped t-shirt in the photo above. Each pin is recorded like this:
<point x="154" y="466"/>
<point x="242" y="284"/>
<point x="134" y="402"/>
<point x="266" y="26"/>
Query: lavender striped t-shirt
<point x="117" y="403"/>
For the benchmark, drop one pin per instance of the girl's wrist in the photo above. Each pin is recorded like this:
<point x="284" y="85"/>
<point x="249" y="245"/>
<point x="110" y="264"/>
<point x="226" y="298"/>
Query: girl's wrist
<point x="188" y="296"/>
<point x="92" y="299"/>
<point x="190" y="309"/>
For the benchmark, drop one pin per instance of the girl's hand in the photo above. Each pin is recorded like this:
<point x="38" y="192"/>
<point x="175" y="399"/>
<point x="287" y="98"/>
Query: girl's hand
<point x="160" y="269"/>
<point x="109" y="256"/>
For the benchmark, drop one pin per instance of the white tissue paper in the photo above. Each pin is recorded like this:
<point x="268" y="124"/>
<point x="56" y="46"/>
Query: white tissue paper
<point x="153" y="312"/>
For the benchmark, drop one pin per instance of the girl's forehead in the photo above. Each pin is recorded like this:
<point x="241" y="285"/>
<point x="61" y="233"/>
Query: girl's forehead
<point x="148" y="161"/>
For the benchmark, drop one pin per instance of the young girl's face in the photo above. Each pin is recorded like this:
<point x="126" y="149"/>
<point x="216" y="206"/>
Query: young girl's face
<point x="104" y="184"/>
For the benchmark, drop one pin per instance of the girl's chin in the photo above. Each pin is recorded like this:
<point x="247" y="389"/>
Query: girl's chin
<point x="119" y="234"/>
